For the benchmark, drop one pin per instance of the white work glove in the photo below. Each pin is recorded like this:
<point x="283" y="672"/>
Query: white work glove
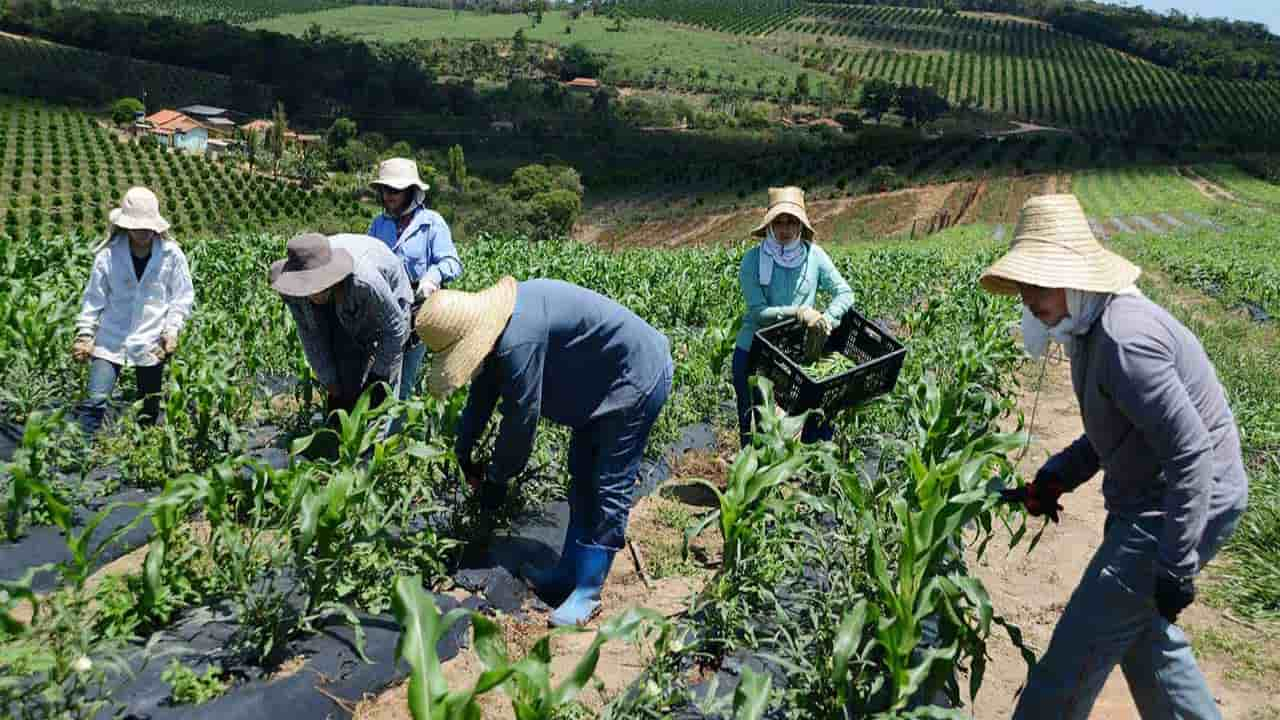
<point x="425" y="288"/>
<point x="82" y="348"/>
<point x="813" y="319"/>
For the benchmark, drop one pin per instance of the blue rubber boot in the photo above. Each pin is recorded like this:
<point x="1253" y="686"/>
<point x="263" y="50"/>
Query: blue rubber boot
<point x="553" y="584"/>
<point x="593" y="564"/>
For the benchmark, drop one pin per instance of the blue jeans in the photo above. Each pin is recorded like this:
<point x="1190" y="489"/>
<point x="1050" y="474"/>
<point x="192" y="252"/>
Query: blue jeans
<point x="409" y="369"/>
<point x="1111" y="618"/>
<point x="815" y="428"/>
<point x="604" y="459"/>
<point x="103" y="375"/>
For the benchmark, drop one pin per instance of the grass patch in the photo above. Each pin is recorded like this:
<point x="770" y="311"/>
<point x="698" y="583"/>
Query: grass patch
<point x="1251" y="659"/>
<point x="645" y="45"/>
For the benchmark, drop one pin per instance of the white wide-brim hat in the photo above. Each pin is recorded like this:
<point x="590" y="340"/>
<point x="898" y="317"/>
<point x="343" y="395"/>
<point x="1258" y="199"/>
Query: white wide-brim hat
<point x="139" y="210"/>
<point x="1054" y="247"/>
<point x="785" y="201"/>
<point x="398" y="174"/>
<point x="460" y="329"/>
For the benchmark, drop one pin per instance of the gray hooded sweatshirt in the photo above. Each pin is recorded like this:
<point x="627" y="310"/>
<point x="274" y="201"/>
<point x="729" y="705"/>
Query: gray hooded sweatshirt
<point x="1156" y="420"/>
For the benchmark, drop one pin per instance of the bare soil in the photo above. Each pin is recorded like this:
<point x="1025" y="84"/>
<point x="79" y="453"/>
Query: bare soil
<point x="1209" y="189"/>
<point x="1031" y="590"/>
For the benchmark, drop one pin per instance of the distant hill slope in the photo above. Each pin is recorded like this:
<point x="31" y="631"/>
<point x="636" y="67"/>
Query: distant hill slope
<point x="1025" y="69"/>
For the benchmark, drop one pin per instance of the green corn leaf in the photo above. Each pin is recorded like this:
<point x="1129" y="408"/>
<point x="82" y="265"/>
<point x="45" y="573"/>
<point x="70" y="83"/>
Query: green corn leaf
<point x="751" y="698"/>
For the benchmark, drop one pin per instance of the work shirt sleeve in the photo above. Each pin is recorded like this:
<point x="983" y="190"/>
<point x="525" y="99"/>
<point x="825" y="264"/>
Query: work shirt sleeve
<point x="830" y="279"/>
<point x="96" y="294"/>
<point x="757" y="304"/>
<point x="384" y="324"/>
<point x="481" y="399"/>
<point x="1075" y="464"/>
<point x="314" y="333"/>
<point x="443" y="266"/>
<point x="181" y="293"/>
<point x="521" y="370"/>
<point x="1146" y="387"/>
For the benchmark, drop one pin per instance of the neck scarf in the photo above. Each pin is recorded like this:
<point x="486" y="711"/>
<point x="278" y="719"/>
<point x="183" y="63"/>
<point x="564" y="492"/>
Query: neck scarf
<point x="1083" y="310"/>
<point x="789" y="256"/>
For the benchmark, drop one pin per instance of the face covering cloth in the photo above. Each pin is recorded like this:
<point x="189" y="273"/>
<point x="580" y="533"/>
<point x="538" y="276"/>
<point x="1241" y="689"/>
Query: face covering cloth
<point x="789" y="256"/>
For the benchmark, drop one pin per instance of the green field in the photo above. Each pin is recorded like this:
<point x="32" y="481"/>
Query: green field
<point x="645" y="46"/>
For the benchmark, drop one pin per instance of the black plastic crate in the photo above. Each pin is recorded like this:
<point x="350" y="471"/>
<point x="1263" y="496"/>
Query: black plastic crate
<point x="778" y="351"/>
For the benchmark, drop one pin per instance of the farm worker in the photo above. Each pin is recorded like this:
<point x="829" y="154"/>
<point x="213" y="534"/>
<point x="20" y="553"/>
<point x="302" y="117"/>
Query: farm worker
<point x="350" y="299"/>
<point x="1156" y="421"/>
<point x="421" y="239"/>
<point x="780" y="279"/>
<point x="549" y="349"/>
<point x="134" y="307"/>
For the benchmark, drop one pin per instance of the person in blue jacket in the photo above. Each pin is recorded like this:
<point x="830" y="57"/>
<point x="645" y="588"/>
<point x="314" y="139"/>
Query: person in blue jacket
<point x="421" y="239"/>
<point x="549" y="349"/>
<point x="780" y="279"/>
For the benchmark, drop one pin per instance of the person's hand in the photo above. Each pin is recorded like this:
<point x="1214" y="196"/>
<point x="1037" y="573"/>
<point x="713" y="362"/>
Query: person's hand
<point x="825" y="325"/>
<point x="425" y="288"/>
<point x="169" y="341"/>
<point x="809" y="316"/>
<point x="82" y="348"/>
<point x="1040" y="496"/>
<point x="1173" y="595"/>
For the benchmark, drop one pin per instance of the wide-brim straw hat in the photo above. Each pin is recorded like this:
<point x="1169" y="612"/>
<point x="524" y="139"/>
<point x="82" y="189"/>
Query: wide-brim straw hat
<point x="460" y="329"/>
<point x="312" y="264"/>
<point x="1054" y="247"/>
<point x="398" y="174"/>
<point x="785" y="201"/>
<point x="139" y="210"/>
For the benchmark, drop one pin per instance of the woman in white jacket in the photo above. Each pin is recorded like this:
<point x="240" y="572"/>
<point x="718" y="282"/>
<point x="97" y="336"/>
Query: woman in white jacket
<point x="137" y="301"/>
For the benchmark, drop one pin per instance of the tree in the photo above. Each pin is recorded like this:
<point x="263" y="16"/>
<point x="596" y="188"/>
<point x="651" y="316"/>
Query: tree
<point x="877" y="98"/>
<point x="921" y="105"/>
<point x="276" y="136"/>
<point x="457" y="168"/>
<point x="553" y="213"/>
<point x="125" y="110"/>
<point x="342" y="131"/>
<point x="251" y="142"/>
<point x="518" y="43"/>
<point x="802" y="86"/>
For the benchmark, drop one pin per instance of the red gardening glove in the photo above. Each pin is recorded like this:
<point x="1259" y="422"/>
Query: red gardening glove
<point x="1039" y="496"/>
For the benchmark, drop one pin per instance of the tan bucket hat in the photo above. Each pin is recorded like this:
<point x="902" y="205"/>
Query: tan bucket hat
<point x="139" y="210"/>
<point x="460" y="329"/>
<point x="311" y="265"/>
<point x="1054" y="247"/>
<point x="788" y="200"/>
<point x="398" y="174"/>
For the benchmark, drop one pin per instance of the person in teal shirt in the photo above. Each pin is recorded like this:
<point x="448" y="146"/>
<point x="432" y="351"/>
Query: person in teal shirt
<point x="780" y="279"/>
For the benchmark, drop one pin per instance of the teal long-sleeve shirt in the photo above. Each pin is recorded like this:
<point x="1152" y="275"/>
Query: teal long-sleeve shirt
<point x="788" y="289"/>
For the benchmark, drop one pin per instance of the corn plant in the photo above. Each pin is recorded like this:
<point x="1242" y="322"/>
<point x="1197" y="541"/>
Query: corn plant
<point x="948" y="495"/>
<point x="429" y="695"/>
<point x="27" y="482"/>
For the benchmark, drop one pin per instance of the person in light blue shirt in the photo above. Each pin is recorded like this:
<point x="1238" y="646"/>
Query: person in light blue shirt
<point x="780" y="280"/>
<point x="548" y="349"/>
<point x="423" y="242"/>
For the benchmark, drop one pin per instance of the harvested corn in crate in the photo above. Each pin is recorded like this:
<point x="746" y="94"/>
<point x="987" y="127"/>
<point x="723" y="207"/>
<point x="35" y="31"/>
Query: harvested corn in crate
<point x="858" y="362"/>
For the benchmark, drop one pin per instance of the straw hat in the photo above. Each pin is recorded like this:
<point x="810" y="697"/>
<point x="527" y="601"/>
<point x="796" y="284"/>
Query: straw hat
<point x="139" y="210"/>
<point x="460" y="328"/>
<point x="312" y="264"/>
<point x="398" y="174"/>
<point x="1054" y="247"/>
<point x="788" y="200"/>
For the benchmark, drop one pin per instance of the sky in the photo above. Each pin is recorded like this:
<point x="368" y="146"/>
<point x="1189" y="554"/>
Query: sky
<point x="1263" y="11"/>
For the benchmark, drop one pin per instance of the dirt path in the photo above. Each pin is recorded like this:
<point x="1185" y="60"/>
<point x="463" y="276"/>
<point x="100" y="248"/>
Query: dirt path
<point x="1031" y="591"/>
<point x="1209" y="189"/>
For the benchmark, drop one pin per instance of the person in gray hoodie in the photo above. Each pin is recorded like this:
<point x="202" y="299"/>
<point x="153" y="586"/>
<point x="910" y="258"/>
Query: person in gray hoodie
<point x="1158" y="425"/>
<point x="350" y="298"/>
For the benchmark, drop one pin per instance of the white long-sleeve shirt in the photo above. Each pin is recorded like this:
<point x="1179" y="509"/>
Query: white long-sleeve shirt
<point x="126" y="315"/>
